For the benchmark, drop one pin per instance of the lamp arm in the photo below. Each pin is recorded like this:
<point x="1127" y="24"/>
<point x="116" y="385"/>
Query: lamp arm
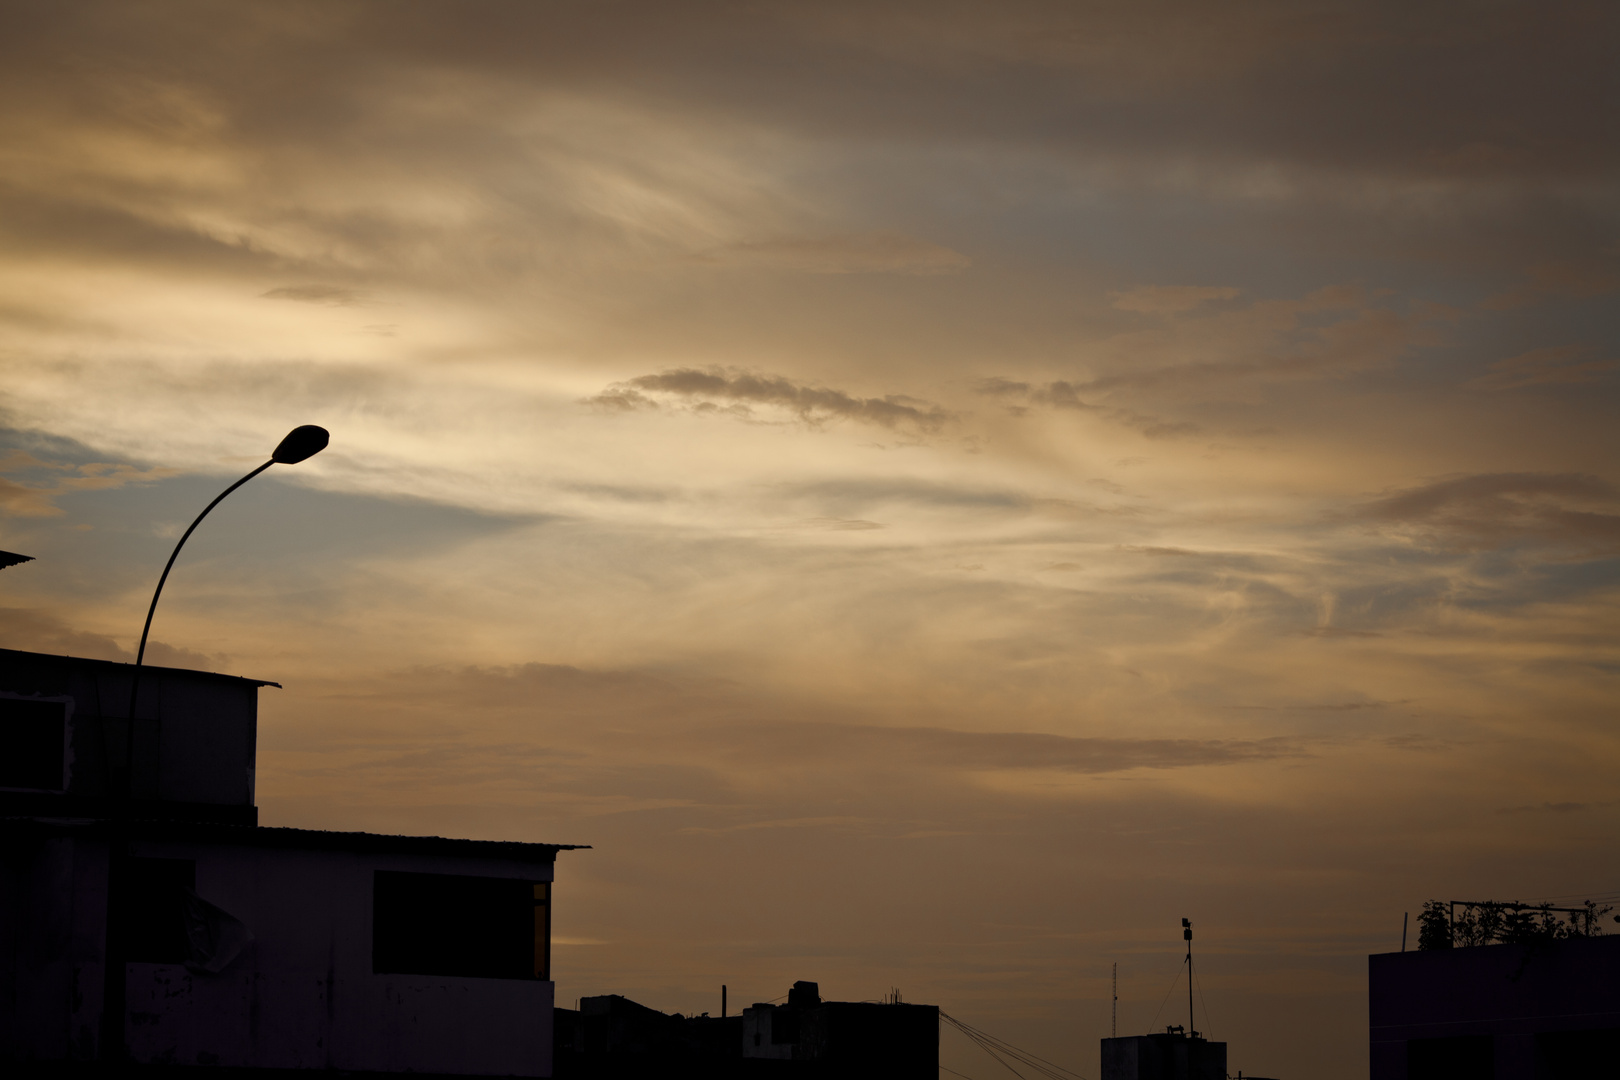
<point x="140" y="655"/>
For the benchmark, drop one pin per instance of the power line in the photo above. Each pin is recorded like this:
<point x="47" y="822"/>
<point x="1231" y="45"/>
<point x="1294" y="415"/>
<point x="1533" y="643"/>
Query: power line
<point x="981" y="1043"/>
<point x="1209" y="1021"/>
<point x="1173" y="983"/>
<point x="1001" y="1050"/>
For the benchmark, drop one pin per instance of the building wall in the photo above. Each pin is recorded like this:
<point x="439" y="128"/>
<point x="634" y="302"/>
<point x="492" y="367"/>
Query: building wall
<point x="894" y="1041"/>
<point x="770" y="1032"/>
<point x="302" y="994"/>
<point x="847" y="1038"/>
<point x="195" y="734"/>
<point x="53" y="922"/>
<point x="206" y="741"/>
<point x="1162" y="1057"/>
<point x="1512" y="1010"/>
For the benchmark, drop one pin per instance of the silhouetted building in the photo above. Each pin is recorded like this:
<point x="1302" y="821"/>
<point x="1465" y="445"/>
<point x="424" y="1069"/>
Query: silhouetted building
<point x="1549" y="1010"/>
<point x="145" y="917"/>
<point x="1167" y="1055"/>
<point x="845" y="1038"/>
<point x="65" y="750"/>
<point x="613" y="1037"/>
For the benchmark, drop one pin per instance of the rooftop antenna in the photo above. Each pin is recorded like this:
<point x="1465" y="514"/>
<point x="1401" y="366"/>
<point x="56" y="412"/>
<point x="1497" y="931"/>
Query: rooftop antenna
<point x="1186" y="932"/>
<point x="1114" y="1030"/>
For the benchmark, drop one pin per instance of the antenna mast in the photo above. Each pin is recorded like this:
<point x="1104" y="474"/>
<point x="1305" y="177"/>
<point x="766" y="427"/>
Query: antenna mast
<point x="1186" y="932"/>
<point x="1114" y="1030"/>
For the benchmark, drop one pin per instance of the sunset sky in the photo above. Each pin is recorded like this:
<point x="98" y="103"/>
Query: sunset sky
<point x="934" y="493"/>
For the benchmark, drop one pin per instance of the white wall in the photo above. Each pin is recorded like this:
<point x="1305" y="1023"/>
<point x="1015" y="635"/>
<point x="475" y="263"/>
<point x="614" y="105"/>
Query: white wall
<point x="302" y="995"/>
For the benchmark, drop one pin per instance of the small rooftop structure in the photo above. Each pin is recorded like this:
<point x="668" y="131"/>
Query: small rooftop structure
<point x="1168" y="1055"/>
<point x="65" y="734"/>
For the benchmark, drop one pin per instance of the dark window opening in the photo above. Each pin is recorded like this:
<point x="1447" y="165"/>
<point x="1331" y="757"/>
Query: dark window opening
<point x="1575" y="1055"/>
<point x="152" y="903"/>
<point x="448" y="924"/>
<point x="32" y="738"/>
<point x="1461" y="1057"/>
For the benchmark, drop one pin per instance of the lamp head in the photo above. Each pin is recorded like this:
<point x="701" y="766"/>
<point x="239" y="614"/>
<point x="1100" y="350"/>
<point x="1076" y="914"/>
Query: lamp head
<point x="300" y="444"/>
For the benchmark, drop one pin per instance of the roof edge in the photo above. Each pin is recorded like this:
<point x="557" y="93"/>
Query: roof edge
<point x="91" y="660"/>
<point x="288" y="837"/>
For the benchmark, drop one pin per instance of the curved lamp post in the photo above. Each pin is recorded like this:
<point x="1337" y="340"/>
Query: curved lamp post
<point x="300" y="444"/>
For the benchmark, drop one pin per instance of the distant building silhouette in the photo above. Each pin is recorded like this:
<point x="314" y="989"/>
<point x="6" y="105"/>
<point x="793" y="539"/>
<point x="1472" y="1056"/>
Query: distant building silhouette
<point x="614" y="1037"/>
<point x="1168" y="1055"/>
<point x="1542" y="1010"/>
<point x="146" y="918"/>
<point x="611" y="1036"/>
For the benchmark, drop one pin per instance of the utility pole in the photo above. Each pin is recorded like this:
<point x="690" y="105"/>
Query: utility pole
<point x="1113" y="1030"/>
<point x="1186" y="932"/>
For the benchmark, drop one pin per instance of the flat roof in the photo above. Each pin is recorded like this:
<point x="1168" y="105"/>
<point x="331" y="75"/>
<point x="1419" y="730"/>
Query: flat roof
<point x="271" y="836"/>
<point x="86" y="661"/>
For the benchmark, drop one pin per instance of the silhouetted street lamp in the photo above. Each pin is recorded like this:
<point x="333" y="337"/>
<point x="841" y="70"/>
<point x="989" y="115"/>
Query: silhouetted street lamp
<point x="301" y="444"/>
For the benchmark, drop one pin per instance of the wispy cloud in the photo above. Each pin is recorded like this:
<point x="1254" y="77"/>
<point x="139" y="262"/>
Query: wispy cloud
<point x="859" y="253"/>
<point x="41" y="631"/>
<point x="970" y="750"/>
<point x="1558" y="279"/>
<point x="24" y="501"/>
<point x="334" y="295"/>
<point x="738" y="392"/>
<point x="38" y="499"/>
<point x="1554" y="365"/>
<point x="1066" y="395"/>
<point x="1488" y="510"/>
<point x="1169" y="299"/>
<point x="842" y="524"/>
<point x="1552" y="808"/>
